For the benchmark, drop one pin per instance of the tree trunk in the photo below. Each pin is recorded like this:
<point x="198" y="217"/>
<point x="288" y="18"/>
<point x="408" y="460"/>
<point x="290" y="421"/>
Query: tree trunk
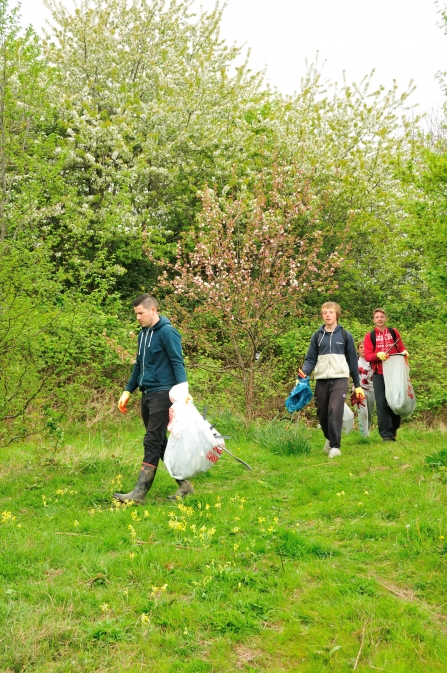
<point x="249" y="391"/>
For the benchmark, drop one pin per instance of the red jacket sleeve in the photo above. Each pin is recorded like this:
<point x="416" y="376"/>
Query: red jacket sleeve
<point x="369" y="350"/>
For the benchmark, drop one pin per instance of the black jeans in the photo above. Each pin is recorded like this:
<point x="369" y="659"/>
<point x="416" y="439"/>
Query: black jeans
<point x="155" y="415"/>
<point x="330" y="398"/>
<point x="388" y="421"/>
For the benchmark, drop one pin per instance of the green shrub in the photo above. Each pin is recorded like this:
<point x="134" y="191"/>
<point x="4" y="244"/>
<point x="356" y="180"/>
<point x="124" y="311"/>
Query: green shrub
<point x="283" y="437"/>
<point x="437" y="459"/>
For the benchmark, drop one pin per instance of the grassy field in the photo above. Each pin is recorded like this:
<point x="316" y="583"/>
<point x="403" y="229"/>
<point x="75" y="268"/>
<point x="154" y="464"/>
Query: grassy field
<point x="303" y="564"/>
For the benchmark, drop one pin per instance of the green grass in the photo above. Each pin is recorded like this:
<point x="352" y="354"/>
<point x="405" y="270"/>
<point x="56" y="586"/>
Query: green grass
<point x="303" y="564"/>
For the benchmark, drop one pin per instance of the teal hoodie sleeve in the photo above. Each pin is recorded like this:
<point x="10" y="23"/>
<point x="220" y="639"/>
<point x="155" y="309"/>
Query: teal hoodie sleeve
<point x="172" y="342"/>
<point x="132" y="384"/>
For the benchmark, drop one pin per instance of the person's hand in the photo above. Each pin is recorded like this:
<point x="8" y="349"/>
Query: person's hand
<point x="360" y="395"/>
<point x="188" y="398"/>
<point x="355" y="401"/>
<point x="123" y="401"/>
<point x="405" y="353"/>
<point x="382" y="356"/>
<point x="301" y="374"/>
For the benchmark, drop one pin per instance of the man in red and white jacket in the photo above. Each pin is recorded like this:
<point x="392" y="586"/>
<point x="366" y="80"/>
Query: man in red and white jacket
<point x="387" y="341"/>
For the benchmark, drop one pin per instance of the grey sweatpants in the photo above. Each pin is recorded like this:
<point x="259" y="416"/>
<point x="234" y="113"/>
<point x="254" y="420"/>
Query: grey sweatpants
<point x="330" y="398"/>
<point x="366" y="412"/>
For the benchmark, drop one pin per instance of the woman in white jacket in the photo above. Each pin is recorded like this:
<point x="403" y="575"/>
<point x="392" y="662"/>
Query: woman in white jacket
<point x="366" y="409"/>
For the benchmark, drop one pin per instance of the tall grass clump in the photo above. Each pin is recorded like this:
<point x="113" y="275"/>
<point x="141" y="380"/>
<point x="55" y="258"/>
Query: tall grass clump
<point x="283" y="438"/>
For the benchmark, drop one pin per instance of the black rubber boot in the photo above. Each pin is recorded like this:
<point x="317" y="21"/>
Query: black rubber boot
<point x="145" y="479"/>
<point x="184" y="488"/>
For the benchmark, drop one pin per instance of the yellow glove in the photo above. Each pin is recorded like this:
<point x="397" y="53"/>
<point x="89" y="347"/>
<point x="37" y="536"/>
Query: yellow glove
<point x="382" y="356"/>
<point x="188" y="398"/>
<point x="360" y="395"/>
<point x="124" y="399"/>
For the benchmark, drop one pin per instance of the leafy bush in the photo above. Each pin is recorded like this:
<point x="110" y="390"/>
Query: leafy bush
<point x="437" y="459"/>
<point x="284" y="438"/>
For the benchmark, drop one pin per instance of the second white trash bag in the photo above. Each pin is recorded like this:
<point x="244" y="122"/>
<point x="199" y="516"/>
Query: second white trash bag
<point x="399" y="391"/>
<point x="348" y="419"/>
<point x="192" y="446"/>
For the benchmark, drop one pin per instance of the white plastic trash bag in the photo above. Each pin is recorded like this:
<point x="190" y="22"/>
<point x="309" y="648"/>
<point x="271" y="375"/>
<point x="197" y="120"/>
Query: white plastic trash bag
<point x="193" y="447"/>
<point x="348" y="419"/>
<point x="399" y="391"/>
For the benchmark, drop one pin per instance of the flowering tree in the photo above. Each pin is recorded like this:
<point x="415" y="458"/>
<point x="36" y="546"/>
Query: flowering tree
<point x="251" y="262"/>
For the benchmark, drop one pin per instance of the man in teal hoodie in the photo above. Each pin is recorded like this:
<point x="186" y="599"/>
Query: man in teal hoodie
<point x="158" y="367"/>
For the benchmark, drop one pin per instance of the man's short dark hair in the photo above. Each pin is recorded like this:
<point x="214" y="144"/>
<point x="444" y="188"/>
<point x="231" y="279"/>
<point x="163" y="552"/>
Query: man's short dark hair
<point x="379" y="310"/>
<point x="146" y="300"/>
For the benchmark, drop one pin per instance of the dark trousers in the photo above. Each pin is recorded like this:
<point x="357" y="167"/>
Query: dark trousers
<point x="155" y="415"/>
<point x="330" y="398"/>
<point x="388" y="421"/>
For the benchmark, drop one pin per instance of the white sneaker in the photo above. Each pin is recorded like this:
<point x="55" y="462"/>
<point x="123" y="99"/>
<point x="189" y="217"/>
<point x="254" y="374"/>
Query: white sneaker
<point x="327" y="446"/>
<point x="333" y="453"/>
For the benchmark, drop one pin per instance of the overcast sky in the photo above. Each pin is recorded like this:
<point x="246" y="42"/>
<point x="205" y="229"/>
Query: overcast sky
<point x="399" y="38"/>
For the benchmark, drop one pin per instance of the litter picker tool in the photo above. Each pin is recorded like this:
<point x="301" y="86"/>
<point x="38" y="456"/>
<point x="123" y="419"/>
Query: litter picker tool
<point x="392" y="346"/>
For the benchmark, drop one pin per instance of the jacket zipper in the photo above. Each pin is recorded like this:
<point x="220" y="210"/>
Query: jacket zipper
<point x="144" y="348"/>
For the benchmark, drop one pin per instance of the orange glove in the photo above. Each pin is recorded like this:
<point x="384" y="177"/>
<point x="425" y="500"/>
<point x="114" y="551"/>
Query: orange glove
<point x="301" y="374"/>
<point x="123" y="401"/>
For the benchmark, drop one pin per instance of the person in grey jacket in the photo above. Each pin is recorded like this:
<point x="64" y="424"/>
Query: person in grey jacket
<point x="333" y="355"/>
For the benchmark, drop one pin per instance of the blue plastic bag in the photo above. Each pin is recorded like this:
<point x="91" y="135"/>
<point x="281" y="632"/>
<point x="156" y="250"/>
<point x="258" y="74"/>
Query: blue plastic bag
<point x="300" y="396"/>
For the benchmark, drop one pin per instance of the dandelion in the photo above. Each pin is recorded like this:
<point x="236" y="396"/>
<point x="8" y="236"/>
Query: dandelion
<point x="271" y="529"/>
<point x="117" y="483"/>
<point x="275" y="520"/>
<point x="91" y="512"/>
<point x="133" y="532"/>
<point x="104" y="607"/>
<point x="146" y="514"/>
<point x="187" y="511"/>
<point x="7" y="517"/>
<point x="132" y="555"/>
<point x="218" y="505"/>
<point x="134" y="515"/>
<point x="199" y="505"/>
<point x="44" y="501"/>
<point x="211" y="531"/>
<point x="75" y="523"/>
<point x="235" y="530"/>
<point x="261" y="519"/>
<point x="235" y="547"/>
<point x="207" y="506"/>
<point x="441" y="537"/>
<point x="366" y="492"/>
<point x="144" y="619"/>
